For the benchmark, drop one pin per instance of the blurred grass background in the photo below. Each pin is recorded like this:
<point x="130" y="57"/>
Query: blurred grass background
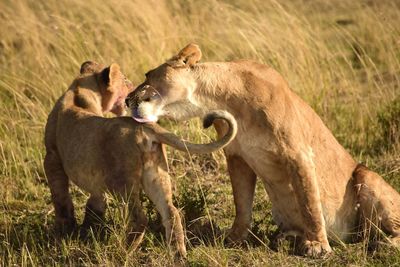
<point x="342" y="57"/>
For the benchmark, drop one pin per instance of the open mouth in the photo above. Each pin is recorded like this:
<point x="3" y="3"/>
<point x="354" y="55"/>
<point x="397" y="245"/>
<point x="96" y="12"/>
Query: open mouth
<point x="137" y="117"/>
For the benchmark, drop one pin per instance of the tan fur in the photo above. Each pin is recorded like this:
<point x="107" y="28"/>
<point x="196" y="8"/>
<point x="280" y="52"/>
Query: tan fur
<point x="113" y="154"/>
<point x="307" y="174"/>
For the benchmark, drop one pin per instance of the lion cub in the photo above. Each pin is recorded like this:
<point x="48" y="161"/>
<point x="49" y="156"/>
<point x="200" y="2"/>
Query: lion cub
<point x="116" y="154"/>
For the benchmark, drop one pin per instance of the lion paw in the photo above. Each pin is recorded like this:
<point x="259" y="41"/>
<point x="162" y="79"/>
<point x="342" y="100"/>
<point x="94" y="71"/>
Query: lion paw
<point x="65" y="226"/>
<point x="178" y="241"/>
<point x="315" y="249"/>
<point x="236" y="237"/>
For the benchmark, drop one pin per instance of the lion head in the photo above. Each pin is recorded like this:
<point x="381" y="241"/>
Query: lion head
<point x="167" y="90"/>
<point x="112" y="84"/>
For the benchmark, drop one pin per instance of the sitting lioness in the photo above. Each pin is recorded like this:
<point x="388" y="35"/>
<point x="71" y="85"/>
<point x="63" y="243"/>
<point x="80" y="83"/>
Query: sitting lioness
<point x="113" y="154"/>
<point x="316" y="188"/>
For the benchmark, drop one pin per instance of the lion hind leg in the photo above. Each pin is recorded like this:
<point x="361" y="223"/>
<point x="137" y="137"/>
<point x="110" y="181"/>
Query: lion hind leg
<point x="59" y="189"/>
<point x="138" y="223"/>
<point x="94" y="215"/>
<point x="379" y="205"/>
<point x="157" y="186"/>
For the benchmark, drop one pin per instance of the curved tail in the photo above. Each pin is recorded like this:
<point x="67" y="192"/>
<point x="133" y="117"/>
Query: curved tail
<point x="173" y="140"/>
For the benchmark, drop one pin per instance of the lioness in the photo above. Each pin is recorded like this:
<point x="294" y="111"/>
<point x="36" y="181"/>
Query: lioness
<point x="316" y="188"/>
<point x="114" y="154"/>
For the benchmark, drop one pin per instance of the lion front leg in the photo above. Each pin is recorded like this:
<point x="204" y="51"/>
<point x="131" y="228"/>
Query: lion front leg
<point x="243" y="180"/>
<point x="303" y="177"/>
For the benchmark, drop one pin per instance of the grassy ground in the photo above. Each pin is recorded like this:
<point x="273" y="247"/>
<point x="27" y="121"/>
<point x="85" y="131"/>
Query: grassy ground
<point x="342" y="57"/>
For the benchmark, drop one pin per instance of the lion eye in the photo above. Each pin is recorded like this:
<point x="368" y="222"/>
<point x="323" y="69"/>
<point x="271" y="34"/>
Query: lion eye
<point x="149" y="97"/>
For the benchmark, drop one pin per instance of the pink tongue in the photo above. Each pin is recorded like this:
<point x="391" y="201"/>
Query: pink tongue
<point x="141" y="120"/>
<point x="138" y="118"/>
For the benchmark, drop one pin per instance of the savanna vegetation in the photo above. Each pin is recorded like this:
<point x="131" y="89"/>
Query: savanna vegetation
<point x="342" y="57"/>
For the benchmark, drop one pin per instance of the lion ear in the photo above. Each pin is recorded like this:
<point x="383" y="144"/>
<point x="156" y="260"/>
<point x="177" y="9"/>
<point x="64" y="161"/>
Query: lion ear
<point x="113" y="79"/>
<point x="89" y="67"/>
<point x="112" y="76"/>
<point x="188" y="56"/>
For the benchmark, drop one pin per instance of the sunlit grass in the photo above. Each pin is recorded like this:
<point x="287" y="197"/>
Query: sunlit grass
<point x="342" y="57"/>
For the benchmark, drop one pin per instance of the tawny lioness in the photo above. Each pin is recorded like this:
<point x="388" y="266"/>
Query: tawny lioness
<point x="281" y="140"/>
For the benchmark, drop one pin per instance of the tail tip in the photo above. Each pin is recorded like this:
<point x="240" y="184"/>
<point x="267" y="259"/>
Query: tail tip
<point x="212" y="116"/>
<point x="208" y="120"/>
<point x="217" y="114"/>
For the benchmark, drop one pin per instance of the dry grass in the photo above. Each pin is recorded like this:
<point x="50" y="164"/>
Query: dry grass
<point x="342" y="57"/>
